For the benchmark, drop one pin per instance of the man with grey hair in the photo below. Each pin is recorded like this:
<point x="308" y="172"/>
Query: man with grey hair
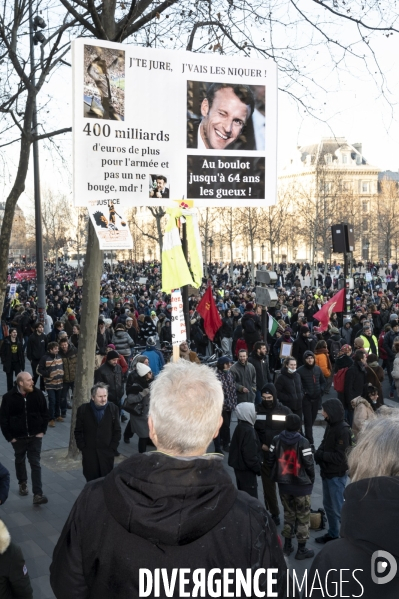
<point x="175" y="507"/>
<point x="97" y="433"/>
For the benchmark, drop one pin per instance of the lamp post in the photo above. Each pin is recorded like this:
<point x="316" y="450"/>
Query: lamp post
<point x="210" y="247"/>
<point x="263" y="251"/>
<point x="34" y="39"/>
<point x="331" y="251"/>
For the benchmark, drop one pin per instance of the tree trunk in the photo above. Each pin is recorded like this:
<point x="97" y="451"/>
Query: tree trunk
<point x="88" y="331"/>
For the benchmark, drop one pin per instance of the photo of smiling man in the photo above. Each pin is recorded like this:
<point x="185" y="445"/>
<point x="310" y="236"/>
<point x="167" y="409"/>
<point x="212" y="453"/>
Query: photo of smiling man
<point x="219" y="116"/>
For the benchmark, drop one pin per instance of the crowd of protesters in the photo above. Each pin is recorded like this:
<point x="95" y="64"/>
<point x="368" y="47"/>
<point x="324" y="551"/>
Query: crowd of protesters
<point x="276" y="380"/>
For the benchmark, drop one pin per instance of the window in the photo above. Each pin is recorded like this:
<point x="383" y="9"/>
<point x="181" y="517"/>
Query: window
<point x="365" y="187"/>
<point x="365" y="206"/>
<point x="328" y="159"/>
<point x="365" y="224"/>
<point x="344" y="159"/>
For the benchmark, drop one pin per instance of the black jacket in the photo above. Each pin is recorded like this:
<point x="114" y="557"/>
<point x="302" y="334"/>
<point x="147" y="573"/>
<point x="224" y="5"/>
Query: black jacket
<point x="36" y="347"/>
<point x="300" y="345"/>
<point x="388" y="344"/>
<point x="355" y="383"/>
<point x="161" y="512"/>
<point x="4" y="485"/>
<point x="7" y="356"/>
<point x="23" y="416"/>
<point x="291" y="462"/>
<point x="289" y="389"/>
<point x="245" y="450"/>
<point x="270" y="420"/>
<point x="313" y="381"/>
<point x="261" y="365"/>
<point x="368" y="521"/>
<point x="14" y="577"/>
<point x="101" y="437"/>
<point x="111" y="376"/>
<point x="331" y="455"/>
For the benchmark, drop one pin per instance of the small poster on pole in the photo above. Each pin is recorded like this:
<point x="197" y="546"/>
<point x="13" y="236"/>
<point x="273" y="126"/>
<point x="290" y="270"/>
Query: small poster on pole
<point x="179" y="333"/>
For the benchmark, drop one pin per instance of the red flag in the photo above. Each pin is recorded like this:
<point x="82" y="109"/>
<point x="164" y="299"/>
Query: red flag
<point x="335" y="304"/>
<point x="209" y="312"/>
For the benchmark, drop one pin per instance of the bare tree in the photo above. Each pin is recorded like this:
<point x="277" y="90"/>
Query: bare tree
<point x="386" y="219"/>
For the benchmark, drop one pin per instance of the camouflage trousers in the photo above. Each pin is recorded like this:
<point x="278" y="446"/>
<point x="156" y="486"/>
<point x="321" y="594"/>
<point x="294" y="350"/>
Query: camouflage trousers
<point x="296" y="516"/>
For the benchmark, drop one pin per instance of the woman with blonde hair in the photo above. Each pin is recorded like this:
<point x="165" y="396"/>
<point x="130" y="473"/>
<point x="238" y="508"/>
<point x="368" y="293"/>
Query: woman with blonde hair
<point x="368" y="519"/>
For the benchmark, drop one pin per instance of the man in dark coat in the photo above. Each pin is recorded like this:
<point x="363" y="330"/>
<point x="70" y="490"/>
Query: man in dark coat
<point x="270" y="421"/>
<point x="14" y="577"/>
<point x="332" y="459"/>
<point x="245" y="451"/>
<point x="110" y="373"/>
<point x="97" y="433"/>
<point x="313" y="383"/>
<point x="35" y="349"/>
<point x="289" y="387"/>
<point x="12" y="357"/>
<point x="23" y="420"/>
<point x="355" y="381"/>
<point x="260" y="361"/>
<point x="304" y="342"/>
<point x="166" y="509"/>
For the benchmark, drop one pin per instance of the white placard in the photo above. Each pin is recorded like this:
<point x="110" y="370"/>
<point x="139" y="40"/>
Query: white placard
<point x="178" y="323"/>
<point x="13" y="289"/>
<point x="110" y="225"/>
<point x="150" y="126"/>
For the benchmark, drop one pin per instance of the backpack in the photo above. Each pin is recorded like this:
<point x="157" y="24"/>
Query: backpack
<point x="335" y="348"/>
<point x="339" y="380"/>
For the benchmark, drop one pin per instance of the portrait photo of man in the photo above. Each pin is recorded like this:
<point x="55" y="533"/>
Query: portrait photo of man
<point x="220" y="116"/>
<point x="159" y="187"/>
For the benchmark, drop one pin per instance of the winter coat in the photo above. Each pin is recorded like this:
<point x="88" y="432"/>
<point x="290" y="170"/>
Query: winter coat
<point x="261" y="365"/>
<point x="98" y="441"/>
<point x="137" y="403"/>
<point x="23" y="416"/>
<point x="368" y="518"/>
<point x="4" y="484"/>
<point x="69" y="360"/>
<point x="123" y="342"/>
<point x="7" y="355"/>
<point x="245" y="376"/>
<point x="229" y="389"/>
<point x="331" y="455"/>
<point x="164" y="512"/>
<point x="270" y="420"/>
<point x="395" y="369"/>
<point x="322" y="360"/>
<point x="312" y="380"/>
<point x="36" y="347"/>
<point x="388" y="344"/>
<point x="111" y="376"/>
<point x="102" y="341"/>
<point x="226" y="330"/>
<point x="166" y="334"/>
<point x="289" y="389"/>
<point x="51" y="368"/>
<point x="14" y="577"/>
<point x="155" y="359"/>
<point x="346" y="333"/>
<point x="300" y="345"/>
<point x="362" y="411"/>
<point x="291" y="462"/>
<point x="372" y="378"/>
<point x="355" y="384"/>
<point x="245" y="449"/>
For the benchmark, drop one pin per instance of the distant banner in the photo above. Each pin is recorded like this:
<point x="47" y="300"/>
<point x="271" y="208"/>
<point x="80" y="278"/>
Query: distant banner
<point x="110" y="224"/>
<point x="179" y="333"/>
<point x="151" y="126"/>
<point x="25" y="274"/>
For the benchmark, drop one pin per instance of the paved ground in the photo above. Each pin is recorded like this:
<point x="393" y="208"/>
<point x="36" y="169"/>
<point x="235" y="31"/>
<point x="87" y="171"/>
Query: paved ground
<point x="36" y="529"/>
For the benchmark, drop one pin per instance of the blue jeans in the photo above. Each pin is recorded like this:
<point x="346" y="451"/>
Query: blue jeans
<point x="333" y="500"/>
<point x="54" y="403"/>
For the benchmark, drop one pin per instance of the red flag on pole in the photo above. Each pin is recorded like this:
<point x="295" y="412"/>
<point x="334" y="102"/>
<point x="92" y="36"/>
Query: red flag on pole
<point x="335" y="304"/>
<point x="209" y="312"/>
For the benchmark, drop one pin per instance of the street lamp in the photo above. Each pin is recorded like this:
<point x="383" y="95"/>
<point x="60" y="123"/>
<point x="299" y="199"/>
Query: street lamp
<point x="210" y="246"/>
<point x="263" y="250"/>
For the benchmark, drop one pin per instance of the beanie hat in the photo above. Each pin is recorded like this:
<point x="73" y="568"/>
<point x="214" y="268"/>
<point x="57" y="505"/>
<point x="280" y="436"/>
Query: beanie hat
<point x="111" y="355"/>
<point x="334" y="331"/>
<point x="393" y="317"/>
<point x="111" y="345"/>
<point x="249" y="307"/>
<point x="304" y="329"/>
<point x="308" y="354"/>
<point x="142" y="369"/>
<point x="292" y="422"/>
<point x="224" y="360"/>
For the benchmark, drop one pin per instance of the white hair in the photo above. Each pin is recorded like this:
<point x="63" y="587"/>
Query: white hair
<point x="185" y="406"/>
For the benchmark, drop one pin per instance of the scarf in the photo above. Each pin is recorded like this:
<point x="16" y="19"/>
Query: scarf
<point x="98" y="411"/>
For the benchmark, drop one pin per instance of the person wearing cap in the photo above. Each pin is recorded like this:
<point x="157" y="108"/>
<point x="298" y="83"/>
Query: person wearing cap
<point x="292" y="468"/>
<point x="370" y="341"/>
<point x="270" y="420"/>
<point x="245" y="450"/>
<point x="313" y="385"/>
<point x="303" y="343"/>
<point x="137" y="403"/>
<point x="110" y="373"/>
<point x="331" y="456"/>
<point x="97" y="433"/>
<point x="222" y="441"/>
<point x="154" y="356"/>
<point x="121" y="360"/>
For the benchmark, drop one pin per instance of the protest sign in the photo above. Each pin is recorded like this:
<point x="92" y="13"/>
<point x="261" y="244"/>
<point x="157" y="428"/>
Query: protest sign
<point x="110" y="225"/>
<point x="150" y="126"/>
<point x="25" y="274"/>
<point x="178" y="323"/>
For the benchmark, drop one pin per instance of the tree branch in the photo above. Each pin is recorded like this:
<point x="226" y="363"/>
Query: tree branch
<point x="52" y="134"/>
<point x="149" y="17"/>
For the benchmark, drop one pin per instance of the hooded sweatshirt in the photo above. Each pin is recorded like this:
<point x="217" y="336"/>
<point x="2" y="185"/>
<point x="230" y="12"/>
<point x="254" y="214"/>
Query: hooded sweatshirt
<point x="245" y="449"/>
<point x="331" y="455"/>
<point x="362" y="533"/>
<point x="270" y="416"/>
<point x="156" y="511"/>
